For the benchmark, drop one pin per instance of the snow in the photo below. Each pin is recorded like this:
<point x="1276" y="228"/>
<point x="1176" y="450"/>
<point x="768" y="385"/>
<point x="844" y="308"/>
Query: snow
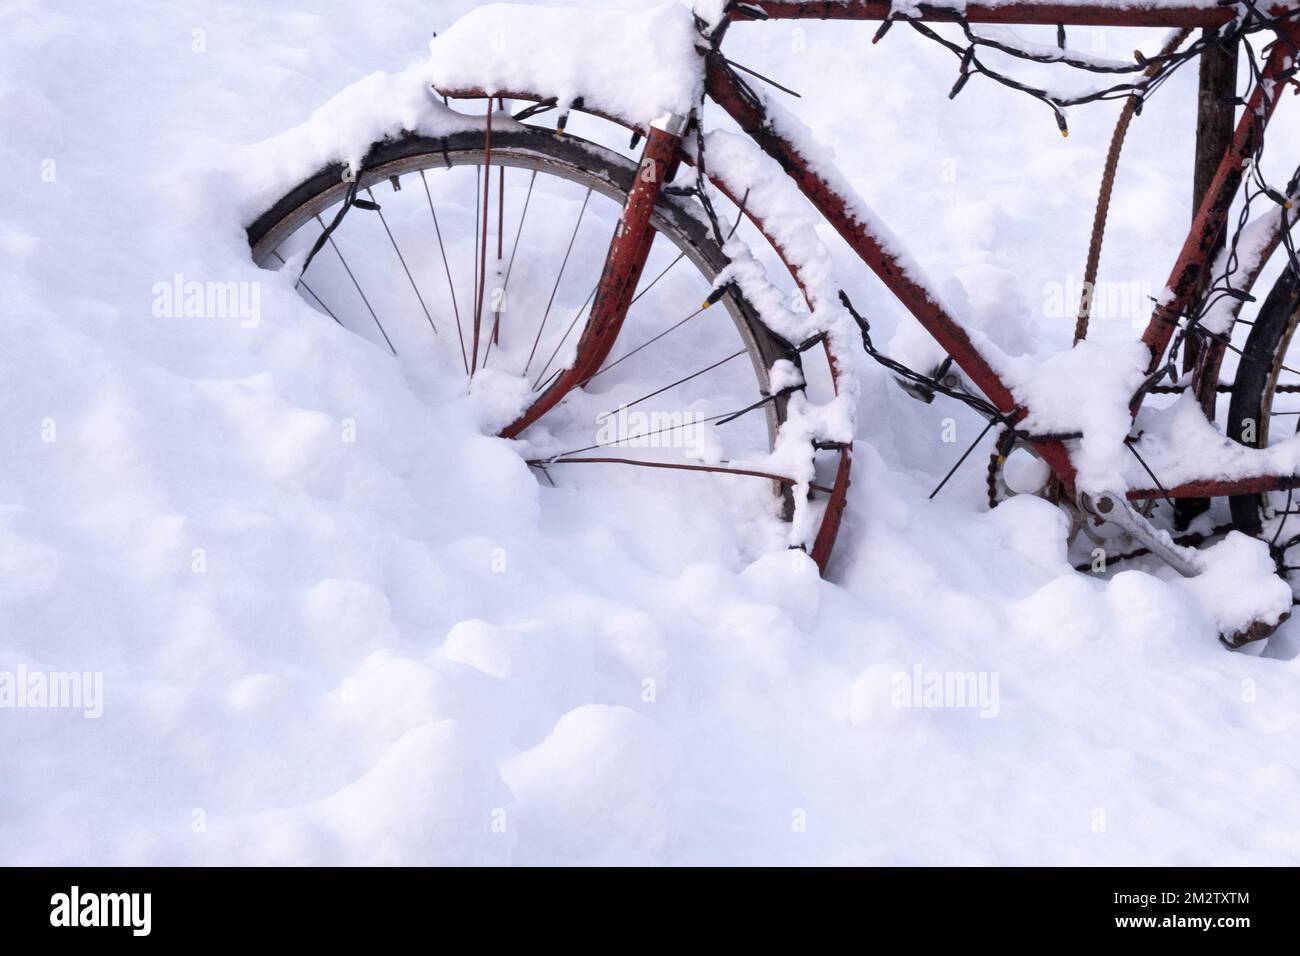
<point x="640" y="66"/>
<point x="1252" y="246"/>
<point x="1184" y="425"/>
<point x="379" y="105"/>
<point x="407" y="648"/>
<point x="1236" y="586"/>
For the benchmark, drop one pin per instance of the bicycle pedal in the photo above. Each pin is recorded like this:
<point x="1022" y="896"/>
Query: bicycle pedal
<point x="1114" y="508"/>
<point x="1257" y="631"/>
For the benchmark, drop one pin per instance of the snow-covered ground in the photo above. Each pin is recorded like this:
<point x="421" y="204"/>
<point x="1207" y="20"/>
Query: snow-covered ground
<point x="335" y="623"/>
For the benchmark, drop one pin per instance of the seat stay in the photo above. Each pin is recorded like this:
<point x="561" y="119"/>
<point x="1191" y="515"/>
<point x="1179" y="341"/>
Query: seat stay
<point x="1202" y="241"/>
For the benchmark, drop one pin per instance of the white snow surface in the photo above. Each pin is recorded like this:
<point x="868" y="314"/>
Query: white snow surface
<point x="404" y="649"/>
<point x="640" y="66"/>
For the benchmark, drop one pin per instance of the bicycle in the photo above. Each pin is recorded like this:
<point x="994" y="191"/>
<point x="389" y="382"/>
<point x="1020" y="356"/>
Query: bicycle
<point x="695" y="188"/>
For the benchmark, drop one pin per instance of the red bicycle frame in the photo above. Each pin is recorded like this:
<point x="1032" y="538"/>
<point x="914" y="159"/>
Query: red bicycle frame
<point x="1193" y="259"/>
<point x="631" y="246"/>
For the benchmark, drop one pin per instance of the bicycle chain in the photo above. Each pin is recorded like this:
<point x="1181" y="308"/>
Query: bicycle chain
<point x="1222" y="389"/>
<point x="1193" y="540"/>
<point x="996" y="460"/>
<point x="1051" y="493"/>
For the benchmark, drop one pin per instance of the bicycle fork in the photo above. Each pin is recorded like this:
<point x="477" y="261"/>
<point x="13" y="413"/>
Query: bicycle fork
<point x="624" y="263"/>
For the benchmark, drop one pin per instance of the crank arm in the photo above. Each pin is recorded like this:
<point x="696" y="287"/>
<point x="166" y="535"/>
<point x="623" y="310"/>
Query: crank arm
<point x="1116" y="509"/>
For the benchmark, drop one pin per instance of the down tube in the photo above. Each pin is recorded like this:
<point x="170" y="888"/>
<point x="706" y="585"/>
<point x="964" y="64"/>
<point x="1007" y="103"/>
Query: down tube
<point x="748" y="113"/>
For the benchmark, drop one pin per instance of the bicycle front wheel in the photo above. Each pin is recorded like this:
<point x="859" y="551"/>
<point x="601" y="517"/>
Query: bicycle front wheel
<point x="478" y="258"/>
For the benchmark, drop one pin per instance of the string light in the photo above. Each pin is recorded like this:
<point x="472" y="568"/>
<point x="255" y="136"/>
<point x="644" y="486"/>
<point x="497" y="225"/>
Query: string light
<point x="1250" y="22"/>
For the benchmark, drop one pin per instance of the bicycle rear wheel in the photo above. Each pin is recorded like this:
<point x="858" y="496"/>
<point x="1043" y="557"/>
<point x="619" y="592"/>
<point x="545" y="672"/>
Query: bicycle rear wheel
<point x="1265" y="403"/>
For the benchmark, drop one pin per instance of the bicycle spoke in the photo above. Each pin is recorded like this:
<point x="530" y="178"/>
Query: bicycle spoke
<point x="564" y="337"/>
<point x="501" y="205"/>
<point x="577" y="315"/>
<point x="682" y="381"/>
<point x="675" y="466"/>
<point x="505" y="285"/>
<point x="551" y="381"/>
<point x="658" y="431"/>
<point x="567" y="252"/>
<point x="487" y="202"/>
<point x="402" y="259"/>
<point x="501" y="229"/>
<point x="1232" y="348"/>
<point x="680" y="257"/>
<point x="514" y="249"/>
<point x="337" y="252"/>
<point x="675" y="325"/>
<point x="451" y="286"/>
<point x="303" y="283"/>
<point x="477" y="299"/>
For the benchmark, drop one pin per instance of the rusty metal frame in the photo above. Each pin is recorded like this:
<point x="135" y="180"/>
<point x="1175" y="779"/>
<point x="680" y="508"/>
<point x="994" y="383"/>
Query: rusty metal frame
<point x="724" y="88"/>
<point x="624" y="262"/>
<point x="837" y="494"/>
<point x="629" y="248"/>
<point x="1028" y="13"/>
<point x="1207" y="229"/>
<point x="1216" y="120"/>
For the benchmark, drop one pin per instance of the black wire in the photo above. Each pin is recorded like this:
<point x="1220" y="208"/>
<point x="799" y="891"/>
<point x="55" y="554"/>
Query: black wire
<point x="1164" y="492"/>
<point x="1142" y="88"/>
<point x="966" y="454"/>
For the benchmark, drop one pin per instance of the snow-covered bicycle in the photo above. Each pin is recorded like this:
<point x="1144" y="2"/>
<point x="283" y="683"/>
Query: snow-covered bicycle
<point x="571" y="282"/>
